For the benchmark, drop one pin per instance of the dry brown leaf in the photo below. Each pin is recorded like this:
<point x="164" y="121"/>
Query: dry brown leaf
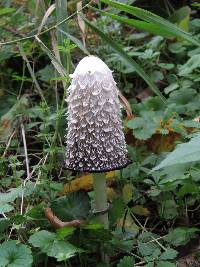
<point x="85" y="182"/>
<point x="46" y="15"/>
<point x="140" y="210"/>
<point x="126" y="105"/>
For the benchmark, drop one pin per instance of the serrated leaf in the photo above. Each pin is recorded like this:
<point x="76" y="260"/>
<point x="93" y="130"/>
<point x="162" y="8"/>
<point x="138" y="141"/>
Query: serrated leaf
<point x="15" y="255"/>
<point x="169" y="254"/>
<point x="168" y="209"/>
<point x="180" y="236"/>
<point x="126" y="262"/>
<point x="165" y="264"/>
<point x="143" y="128"/>
<point x="146" y="249"/>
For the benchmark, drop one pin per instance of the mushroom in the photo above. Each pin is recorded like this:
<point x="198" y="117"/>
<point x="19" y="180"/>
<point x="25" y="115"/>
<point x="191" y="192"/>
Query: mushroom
<point x="95" y="139"/>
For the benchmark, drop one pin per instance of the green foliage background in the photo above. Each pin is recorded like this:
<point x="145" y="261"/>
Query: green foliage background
<point x="154" y="51"/>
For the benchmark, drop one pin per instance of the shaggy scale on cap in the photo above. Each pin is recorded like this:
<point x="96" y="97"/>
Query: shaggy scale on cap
<point x="95" y="140"/>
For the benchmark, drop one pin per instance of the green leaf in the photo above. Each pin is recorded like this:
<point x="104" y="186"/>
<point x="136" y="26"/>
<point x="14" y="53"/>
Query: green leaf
<point x="147" y="249"/>
<point x="184" y="153"/>
<point x="75" y="41"/>
<point x="181" y="17"/>
<point x="126" y="261"/>
<point x="169" y="254"/>
<point x="6" y="10"/>
<point x="73" y="206"/>
<point x="153" y="18"/>
<point x="37" y="212"/>
<point x="4" y="224"/>
<point x="6" y="208"/>
<point x="165" y="264"/>
<point x="180" y="236"/>
<point x="188" y="188"/>
<point x="14" y="193"/>
<point x="150" y="264"/>
<point x="142" y="25"/>
<point x="47" y="242"/>
<point x="143" y="128"/>
<point x="64" y="232"/>
<point x="15" y="255"/>
<point x="190" y="65"/>
<point x="126" y="58"/>
<point x="168" y="209"/>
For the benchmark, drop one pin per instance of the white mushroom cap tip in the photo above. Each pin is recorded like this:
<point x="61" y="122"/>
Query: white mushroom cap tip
<point x="90" y="64"/>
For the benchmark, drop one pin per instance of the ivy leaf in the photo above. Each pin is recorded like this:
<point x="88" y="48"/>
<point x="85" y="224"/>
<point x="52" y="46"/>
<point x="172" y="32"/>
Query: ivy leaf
<point x="59" y="249"/>
<point x="126" y="261"/>
<point x="15" y="255"/>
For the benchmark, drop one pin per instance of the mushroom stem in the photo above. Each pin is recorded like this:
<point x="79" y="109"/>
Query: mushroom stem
<point x="100" y="197"/>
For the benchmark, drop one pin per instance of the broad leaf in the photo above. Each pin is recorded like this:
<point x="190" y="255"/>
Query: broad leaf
<point x="15" y="255"/>
<point x="168" y="254"/>
<point x="59" y="249"/>
<point x="180" y="236"/>
<point x="184" y="153"/>
<point x="73" y="206"/>
<point x="142" y="25"/>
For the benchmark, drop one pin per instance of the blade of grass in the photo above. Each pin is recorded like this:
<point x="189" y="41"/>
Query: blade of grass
<point x="61" y="13"/>
<point x="142" y="25"/>
<point x="126" y="58"/>
<point x="153" y="18"/>
<point x="60" y="69"/>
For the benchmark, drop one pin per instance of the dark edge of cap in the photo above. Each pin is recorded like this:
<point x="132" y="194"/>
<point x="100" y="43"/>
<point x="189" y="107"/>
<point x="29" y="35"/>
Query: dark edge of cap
<point x="102" y="170"/>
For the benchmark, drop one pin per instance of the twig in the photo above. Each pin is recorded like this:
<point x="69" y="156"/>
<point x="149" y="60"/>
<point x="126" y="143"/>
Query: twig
<point x="27" y="167"/>
<point x="25" y="149"/>
<point x="57" y="223"/>
<point x="145" y="230"/>
<point x="8" y="144"/>
<point x="45" y="31"/>
<point x="13" y="31"/>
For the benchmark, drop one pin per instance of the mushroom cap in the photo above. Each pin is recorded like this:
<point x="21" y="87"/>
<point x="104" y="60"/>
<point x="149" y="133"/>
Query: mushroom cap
<point x="95" y="139"/>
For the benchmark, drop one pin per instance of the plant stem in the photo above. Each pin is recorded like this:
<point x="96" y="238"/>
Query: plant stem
<point x="101" y="203"/>
<point x="100" y="197"/>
